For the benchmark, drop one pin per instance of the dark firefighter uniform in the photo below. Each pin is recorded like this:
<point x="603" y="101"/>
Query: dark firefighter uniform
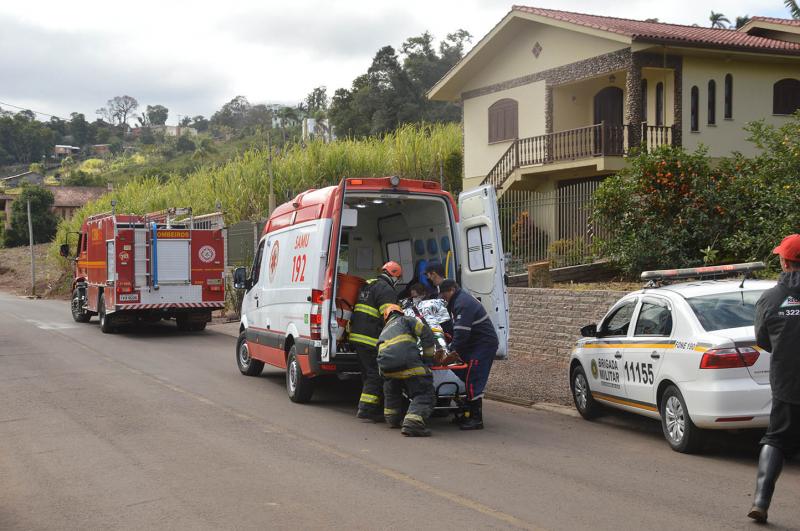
<point x="475" y="339"/>
<point x="403" y="368"/>
<point x="365" y="327"/>
<point x="777" y="327"/>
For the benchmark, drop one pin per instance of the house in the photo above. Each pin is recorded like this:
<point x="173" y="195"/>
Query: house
<point x="100" y="150"/>
<point x="553" y="102"/>
<point x="66" y="199"/>
<point x="61" y="151"/>
<point x="553" y="97"/>
<point x="28" y="177"/>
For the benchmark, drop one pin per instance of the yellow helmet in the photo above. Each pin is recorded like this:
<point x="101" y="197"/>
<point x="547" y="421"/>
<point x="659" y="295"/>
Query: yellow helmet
<point x="390" y="309"/>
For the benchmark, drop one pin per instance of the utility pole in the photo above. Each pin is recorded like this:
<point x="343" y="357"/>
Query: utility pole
<point x="30" y="240"/>
<point x="271" y="177"/>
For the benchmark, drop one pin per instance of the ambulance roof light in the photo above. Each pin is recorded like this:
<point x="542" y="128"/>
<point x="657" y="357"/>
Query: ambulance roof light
<point x="699" y="272"/>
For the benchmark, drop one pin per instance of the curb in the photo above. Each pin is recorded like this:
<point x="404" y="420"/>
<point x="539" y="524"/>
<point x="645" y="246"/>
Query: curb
<point x="530" y="404"/>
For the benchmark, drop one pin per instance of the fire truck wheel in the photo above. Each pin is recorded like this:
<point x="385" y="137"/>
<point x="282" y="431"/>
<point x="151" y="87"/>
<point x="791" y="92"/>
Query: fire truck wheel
<point x="299" y="387"/>
<point x="247" y="365"/>
<point x="79" y="313"/>
<point x="106" y="321"/>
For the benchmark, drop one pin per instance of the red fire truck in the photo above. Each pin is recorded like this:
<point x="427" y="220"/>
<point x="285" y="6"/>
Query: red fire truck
<point x="167" y="264"/>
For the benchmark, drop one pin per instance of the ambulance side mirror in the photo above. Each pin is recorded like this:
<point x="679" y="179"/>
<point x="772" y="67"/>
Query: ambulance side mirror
<point x="64" y="250"/>
<point x="240" y="280"/>
<point x="589" y="330"/>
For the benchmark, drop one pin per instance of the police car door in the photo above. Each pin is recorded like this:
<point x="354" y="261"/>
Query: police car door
<point x="480" y="255"/>
<point x="606" y="352"/>
<point x="642" y="361"/>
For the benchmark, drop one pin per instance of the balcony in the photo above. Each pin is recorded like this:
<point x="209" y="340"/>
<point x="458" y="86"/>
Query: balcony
<point x="584" y="143"/>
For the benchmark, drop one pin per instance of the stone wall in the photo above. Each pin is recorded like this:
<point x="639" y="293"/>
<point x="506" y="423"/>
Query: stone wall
<point x="545" y="323"/>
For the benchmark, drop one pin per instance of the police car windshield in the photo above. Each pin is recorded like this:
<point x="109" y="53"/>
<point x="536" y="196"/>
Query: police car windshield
<point x="725" y="310"/>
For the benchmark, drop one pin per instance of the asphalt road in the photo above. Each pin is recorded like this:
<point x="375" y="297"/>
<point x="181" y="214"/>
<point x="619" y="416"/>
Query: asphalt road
<point x="156" y="429"/>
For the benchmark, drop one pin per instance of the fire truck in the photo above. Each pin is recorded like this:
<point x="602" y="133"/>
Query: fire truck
<point x="163" y="265"/>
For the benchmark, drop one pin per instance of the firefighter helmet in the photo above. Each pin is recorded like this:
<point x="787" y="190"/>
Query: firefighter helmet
<point x="390" y="309"/>
<point x="393" y="269"/>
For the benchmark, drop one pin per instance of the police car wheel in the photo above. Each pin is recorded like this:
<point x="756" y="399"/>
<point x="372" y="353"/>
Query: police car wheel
<point x="299" y="387"/>
<point x="79" y="313"/>
<point x="679" y="430"/>
<point x="247" y="365"/>
<point x="106" y="321"/>
<point x="582" y="395"/>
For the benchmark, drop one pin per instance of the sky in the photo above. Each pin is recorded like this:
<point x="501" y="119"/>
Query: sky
<point x="194" y="56"/>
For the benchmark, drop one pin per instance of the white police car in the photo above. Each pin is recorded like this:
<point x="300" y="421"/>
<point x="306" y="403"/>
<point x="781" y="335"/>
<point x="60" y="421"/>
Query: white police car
<point x="684" y="353"/>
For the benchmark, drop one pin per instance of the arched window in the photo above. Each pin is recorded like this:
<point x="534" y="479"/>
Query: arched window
<point x="786" y="96"/>
<point x="712" y="102"/>
<point x="695" y="108"/>
<point x="644" y="100"/>
<point x="660" y="103"/>
<point x="728" y="97"/>
<point x="503" y="123"/>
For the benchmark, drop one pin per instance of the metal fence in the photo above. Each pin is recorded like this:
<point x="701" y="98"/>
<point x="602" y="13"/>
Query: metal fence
<point x="242" y="240"/>
<point x="556" y="225"/>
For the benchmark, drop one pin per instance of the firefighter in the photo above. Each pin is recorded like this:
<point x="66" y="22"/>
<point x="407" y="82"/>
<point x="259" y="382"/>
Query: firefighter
<point x="475" y="340"/>
<point x="402" y="368"/>
<point x="365" y="327"/>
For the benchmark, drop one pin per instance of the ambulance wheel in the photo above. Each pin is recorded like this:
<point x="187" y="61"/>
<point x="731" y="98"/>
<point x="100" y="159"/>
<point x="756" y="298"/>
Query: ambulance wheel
<point x="106" y="321"/>
<point x="299" y="387"/>
<point x="582" y="395"/>
<point x="247" y="365"/>
<point x="679" y="430"/>
<point x="79" y="314"/>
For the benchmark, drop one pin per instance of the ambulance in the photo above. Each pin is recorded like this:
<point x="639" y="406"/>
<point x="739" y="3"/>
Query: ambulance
<point x="319" y="249"/>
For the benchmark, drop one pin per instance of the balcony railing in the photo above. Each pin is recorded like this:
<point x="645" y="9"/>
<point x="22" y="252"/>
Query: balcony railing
<point x="575" y="144"/>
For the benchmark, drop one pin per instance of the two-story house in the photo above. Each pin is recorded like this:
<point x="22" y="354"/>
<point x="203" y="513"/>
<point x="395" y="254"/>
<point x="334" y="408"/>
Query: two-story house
<point x="552" y="98"/>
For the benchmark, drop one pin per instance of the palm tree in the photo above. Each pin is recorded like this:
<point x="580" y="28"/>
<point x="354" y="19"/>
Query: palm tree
<point x="717" y="20"/>
<point x="793" y="8"/>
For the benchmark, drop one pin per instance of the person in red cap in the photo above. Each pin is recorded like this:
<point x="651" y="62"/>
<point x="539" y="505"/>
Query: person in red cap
<point x="777" y="326"/>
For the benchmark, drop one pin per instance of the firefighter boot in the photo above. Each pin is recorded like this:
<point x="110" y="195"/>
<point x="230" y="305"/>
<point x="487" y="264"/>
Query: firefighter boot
<point x="770" y="463"/>
<point x="369" y="414"/>
<point x="473" y="418"/>
<point x="414" y="426"/>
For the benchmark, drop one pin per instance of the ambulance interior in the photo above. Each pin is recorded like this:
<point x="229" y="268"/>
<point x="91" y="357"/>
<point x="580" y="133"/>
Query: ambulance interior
<point x="412" y="231"/>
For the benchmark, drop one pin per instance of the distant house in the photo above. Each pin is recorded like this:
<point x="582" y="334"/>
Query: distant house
<point x="62" y="151"/>
<point x="166" y="130"/>
<point x="28" y="177"/>
<point x="101" y="149"/>
<point x="67" y="199"/>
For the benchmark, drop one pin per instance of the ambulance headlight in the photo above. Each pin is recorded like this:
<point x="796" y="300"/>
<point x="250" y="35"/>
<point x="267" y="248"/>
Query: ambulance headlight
<point x="394" y="180"/>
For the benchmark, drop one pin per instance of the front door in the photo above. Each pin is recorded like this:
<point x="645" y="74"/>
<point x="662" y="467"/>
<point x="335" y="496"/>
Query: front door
<point x="608" y="104"/>
<point x="641" y="362"/>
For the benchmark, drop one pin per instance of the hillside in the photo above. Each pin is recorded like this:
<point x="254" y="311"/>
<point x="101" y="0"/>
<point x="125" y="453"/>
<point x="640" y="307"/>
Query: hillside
<point x="15" y="272"/>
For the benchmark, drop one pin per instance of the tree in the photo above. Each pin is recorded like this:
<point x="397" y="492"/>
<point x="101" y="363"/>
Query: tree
<point x="316" y="102"/>
<point x="233" y="114"/>
<point x="185" y="144"/>
<point x="118" y="109"/>
<point x="79" y="129"/>
<point x="43" y="220"/>
<point x="200" y="123"/>
<point x="741" y="21"/>
<point x="793" y="7"/>
<point x="157" y="114"/>
<point x="718" y="20"/>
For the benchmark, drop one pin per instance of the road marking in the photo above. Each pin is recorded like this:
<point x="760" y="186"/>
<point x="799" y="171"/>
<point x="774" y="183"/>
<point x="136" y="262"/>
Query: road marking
<point x="267" y="427"/>
<point x="51" y="326"/>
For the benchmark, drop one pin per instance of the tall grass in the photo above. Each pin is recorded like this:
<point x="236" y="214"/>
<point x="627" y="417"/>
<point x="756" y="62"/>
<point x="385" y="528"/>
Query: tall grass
<point x="241" y="185"/>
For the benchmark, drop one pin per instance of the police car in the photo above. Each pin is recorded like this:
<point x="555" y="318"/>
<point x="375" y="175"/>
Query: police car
<point x="683" y="353"/>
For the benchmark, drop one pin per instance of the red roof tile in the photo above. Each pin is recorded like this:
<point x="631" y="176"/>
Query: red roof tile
<point x="772" y="20"/>
<point x="639" y="30"/>
<point x="75" y="196"/>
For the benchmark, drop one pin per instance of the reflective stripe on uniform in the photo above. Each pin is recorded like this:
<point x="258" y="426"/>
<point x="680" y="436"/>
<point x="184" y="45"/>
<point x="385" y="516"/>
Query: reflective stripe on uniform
<point x="402" y="338"/>
<point x="406" y="373"/>
<point x="369" y="399"/>
<point x="361" y="338"/>
<point x="482" y="319"/>
<point x="367" y="309"/>
<point x="418" y="327"/>
<point x="414" y="416"/>
<point x="390" y="411"/>
<point x="383" y="307"/>
<point x="459" y="327"/>
<point x="428" y="352"/>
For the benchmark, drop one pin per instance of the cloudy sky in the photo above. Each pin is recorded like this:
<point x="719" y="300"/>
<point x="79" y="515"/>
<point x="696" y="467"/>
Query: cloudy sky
<point x="193" y="56"/>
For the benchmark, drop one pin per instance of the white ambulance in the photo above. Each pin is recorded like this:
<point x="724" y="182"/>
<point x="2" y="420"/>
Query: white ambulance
<point x="318" y="249"/>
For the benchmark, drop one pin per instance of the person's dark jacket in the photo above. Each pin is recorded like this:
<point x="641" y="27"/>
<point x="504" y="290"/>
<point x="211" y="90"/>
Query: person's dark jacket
<point x="777" y="326"/>
<point x="367" y="320"/>
<point x="398" y="349"/>
<point x="472" y="326"/>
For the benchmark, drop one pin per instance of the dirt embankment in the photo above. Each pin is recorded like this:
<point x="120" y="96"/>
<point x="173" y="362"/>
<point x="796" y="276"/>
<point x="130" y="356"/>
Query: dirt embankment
<point x="15" y="272"/>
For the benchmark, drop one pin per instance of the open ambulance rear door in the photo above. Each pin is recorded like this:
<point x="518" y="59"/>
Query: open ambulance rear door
<point x="480" y="253"/>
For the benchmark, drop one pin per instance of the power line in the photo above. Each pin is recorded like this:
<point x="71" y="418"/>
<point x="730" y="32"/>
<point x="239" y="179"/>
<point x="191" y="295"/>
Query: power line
<point x="28" y="109"/>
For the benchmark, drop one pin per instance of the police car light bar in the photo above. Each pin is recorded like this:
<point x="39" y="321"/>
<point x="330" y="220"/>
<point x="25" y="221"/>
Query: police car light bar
<point x="694" y="272"/>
